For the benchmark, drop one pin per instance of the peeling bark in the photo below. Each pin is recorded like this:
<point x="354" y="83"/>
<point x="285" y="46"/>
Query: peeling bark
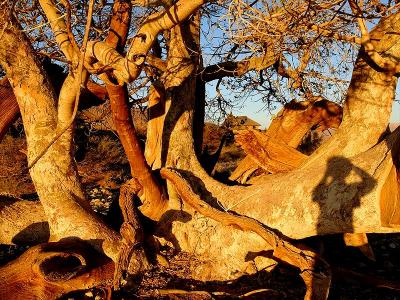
<point x="153" y="199"/>
<point x="8" y="107"/>
<point x="157" y="109"/>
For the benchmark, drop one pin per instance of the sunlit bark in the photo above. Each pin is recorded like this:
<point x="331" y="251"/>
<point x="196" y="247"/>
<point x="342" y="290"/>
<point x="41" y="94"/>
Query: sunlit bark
<point x="54" y="175"/>
<point x="152" y="196"/>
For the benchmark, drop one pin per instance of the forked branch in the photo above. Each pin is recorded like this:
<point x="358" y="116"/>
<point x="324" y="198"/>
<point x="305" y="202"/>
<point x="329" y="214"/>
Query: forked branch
<point x="382" y="62"/>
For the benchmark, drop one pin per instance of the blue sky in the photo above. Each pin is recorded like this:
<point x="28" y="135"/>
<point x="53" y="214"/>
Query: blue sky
<point x="395" y="118"/>
<point x="254" y="110"/>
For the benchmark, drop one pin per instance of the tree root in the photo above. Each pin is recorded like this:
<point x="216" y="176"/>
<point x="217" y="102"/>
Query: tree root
<point x="132" y="260"/>
<point x="166" y="292"/>
<point x="51" y="270"/>
<point x="314" y="271"/>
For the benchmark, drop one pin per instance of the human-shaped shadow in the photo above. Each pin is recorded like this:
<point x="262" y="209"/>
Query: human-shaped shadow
<point x="338" y="194"/>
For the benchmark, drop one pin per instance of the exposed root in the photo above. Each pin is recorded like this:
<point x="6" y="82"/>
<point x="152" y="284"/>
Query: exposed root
<point x="49" y="271"/>
<point x="313" y="269"/>
<point x="166" y="292"/>
<point x="132" y="260"/>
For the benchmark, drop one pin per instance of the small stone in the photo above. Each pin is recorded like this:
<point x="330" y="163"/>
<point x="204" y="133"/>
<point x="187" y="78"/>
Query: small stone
<point x="388" y="265"/>
<point x="161" y="260"/>
<point x="89" y="294"/>
<point x="392" y="245"/>
<point x="362" y="265"/>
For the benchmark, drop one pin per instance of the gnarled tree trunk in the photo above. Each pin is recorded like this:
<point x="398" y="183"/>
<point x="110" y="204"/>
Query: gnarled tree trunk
<point x="54" y="174"/>
<point x="342" y="193"/>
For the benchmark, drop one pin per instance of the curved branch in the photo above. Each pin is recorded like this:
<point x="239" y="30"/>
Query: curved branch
<point x="60" y="29"/>
<point x="100" y="52"/>
<point x="144" y="39"/>
<point x="236" y="69"/>
<point x="314" y="271"/>
<point x="153" y="197"/>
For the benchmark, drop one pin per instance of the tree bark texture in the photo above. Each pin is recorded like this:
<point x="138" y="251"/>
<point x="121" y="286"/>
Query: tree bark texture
<point x="342" y="193"/>
<point x="49" y="271"/>
<point x="152" y="196"/>
<point x="54" y="175"/>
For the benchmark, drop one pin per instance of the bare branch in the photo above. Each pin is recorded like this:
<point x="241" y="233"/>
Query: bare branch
<point x="59" y="28"/>
<point x="236" y="69"/>
<point x="143" y="40"/>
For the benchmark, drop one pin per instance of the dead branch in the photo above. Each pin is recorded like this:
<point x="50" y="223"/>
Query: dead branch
<point x="269" y="153"/>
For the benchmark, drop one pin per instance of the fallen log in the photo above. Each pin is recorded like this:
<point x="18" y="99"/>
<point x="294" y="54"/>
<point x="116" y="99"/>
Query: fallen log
<point x="269" y="153"/>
